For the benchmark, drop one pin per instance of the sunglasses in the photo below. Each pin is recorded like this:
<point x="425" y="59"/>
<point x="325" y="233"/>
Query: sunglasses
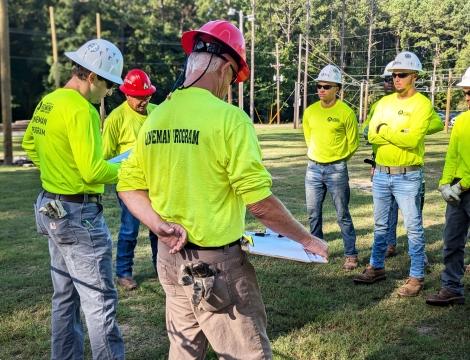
<point x="466" y="93"/>
<point x="326" y="87"/>
<point x="401" y="75"/>
<point x="142" y="98"/>
<point x="109" y="83"/>
<point x="388" y="79"/>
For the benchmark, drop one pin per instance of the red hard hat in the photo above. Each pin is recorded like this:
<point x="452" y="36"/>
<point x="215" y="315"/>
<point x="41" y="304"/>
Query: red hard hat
<point x="137" y="83"/>
<point x="226" y="33"/>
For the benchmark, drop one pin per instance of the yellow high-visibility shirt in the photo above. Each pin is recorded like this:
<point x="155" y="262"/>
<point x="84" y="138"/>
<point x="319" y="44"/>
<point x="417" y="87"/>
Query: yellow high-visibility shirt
<point x="121" y="128"/>
<point x="401" y="141"/>
<point x="200" y="160"/>
<point x="63" y="139"/>
<point x="457" y="164"/>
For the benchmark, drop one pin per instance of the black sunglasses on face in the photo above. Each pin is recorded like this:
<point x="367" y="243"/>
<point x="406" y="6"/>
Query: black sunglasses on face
<point x="401" y="75"/>
<point x="466" y="93"/>
<point x="109" y="83"/>
<point x="326" y="87"/>
<point x="388" y="79"/>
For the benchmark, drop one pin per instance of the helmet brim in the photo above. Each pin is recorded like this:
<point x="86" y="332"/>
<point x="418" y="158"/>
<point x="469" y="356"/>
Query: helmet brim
<point x="187" y="41"/>
<point x="131" y="92"/>
<point x="74" y="57"/>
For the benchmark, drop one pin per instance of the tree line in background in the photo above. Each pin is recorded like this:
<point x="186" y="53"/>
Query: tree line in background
<point x="148" y="34"/>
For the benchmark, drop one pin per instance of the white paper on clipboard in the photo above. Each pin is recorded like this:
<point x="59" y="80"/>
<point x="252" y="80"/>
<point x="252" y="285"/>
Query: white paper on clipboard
<point x="120" y="157"/>
<point x="274" y="245"/>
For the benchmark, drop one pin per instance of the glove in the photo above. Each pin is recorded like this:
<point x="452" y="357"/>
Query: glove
<point x="449" y="195"/>
<point x="457" y="189"/>
<point x="201" y="276"/>
<point x="53" y="209"/>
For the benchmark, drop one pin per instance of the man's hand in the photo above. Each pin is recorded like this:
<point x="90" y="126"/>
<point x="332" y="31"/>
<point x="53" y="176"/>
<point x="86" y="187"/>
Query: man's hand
<point x="172" y="234"/>
<point x="457" y="189"/>
<point x="316" y="246"/>
<point x="449" y="195"/>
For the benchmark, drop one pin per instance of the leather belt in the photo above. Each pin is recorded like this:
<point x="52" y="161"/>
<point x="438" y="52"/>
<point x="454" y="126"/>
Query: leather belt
<point x="77" y="198"/>
<point x="192" y="246"/>
<point x="326" y="164"/>
<point x="395" y="170"/>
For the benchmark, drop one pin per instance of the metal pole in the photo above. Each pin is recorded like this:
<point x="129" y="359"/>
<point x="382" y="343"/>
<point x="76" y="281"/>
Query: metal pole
<point x="277" y="80"/>
<point x="98" y="36"/>
<point x="5" y="83"/>
<point x="252" y="72"/>
<point x="360" y="102"/>
<point x="240" y="84"/>
<point x="306" y="55"/>
<point x="296" y="105"/>
<point x="55" y="56"/>
<point x="369" y="49"/>
<point x="297" y="99"/>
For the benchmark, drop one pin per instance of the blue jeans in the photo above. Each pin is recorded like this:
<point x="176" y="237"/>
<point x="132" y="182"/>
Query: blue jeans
<point x="82" y="274"/>
<point x="455" y="237"/>
<point x="127" y="241"/>
<point x="405" y="189"/>
<point x="332" y="178"/>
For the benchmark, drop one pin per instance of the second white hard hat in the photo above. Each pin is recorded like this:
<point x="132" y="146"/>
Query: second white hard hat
<point x="330" y="73"/>
<point x="387" y="71"/>
<point x="407" y="60"/>
<point x="465" y="79"/>
<point x="101" y="57"/>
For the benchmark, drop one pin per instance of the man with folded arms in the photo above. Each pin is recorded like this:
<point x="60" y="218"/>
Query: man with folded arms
<point x="396" y="132"/>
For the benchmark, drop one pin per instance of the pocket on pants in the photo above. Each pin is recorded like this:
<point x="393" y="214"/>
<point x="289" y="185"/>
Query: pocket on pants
<point x="221" y="295"/>
<point x="61" y="230"/>
<point x="39" y="227"/>
<point x="167" y="284"/>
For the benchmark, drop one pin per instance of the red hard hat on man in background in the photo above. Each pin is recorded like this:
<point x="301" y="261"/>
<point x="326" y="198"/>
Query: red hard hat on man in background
<point x="137" y="83"/>
<point x="228" y="36"/>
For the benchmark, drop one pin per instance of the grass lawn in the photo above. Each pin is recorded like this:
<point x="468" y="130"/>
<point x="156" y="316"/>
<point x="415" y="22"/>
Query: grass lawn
<point x="314" y="311"/>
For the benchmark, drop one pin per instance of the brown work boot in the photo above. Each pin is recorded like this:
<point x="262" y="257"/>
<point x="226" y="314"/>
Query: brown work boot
<point x="445" y="297"/>
<point x="412" y="287"/>
<point x="351" y="263"/>
<point x="391" y="251"/>
<point x="370" y="275"/>
<point x="127" y="282"/>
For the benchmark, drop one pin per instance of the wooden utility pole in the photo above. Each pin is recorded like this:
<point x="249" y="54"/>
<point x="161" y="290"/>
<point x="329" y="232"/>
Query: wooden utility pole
<point x="449" y="89"/>
<point x="297" y="93"/>
<point x="240" y="84"/>
<point x="360" y="102"/>
<point x="5" y="83"/>
<point x="55" y="56"/>
<point x="98" y="36"/>
<point x="252" y="72"/>
<point x="277" y="66"/>
<point x="307" y="30"/>
<point x="331" y="32"/>
<point x="433" y="80"/>
<point x="369" y="50"/>
<point x="342" y="62"/>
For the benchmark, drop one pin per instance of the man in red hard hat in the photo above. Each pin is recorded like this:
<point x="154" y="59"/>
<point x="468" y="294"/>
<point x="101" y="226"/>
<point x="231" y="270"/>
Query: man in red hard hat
<point x="119" y="135"/>
<point x="197" y="164"/>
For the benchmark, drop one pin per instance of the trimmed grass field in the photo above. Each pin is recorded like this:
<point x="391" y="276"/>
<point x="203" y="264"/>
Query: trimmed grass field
<point x="314" y="311"/>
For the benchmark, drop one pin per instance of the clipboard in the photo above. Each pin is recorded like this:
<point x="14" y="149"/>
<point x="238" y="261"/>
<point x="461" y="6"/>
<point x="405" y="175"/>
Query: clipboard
<point x="271" y="244"/>
<point x="120" y="157"/>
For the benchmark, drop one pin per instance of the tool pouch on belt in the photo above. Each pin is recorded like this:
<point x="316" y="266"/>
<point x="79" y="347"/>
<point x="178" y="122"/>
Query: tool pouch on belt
<point x="53" y="209"/>
<point x="201" y="276"/>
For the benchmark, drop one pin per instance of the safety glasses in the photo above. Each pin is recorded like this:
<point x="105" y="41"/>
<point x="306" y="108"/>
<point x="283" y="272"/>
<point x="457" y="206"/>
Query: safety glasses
<point x="109" y="84"/>
<point x="401" y="75"/>
<point x="326" y="87"/>
<point x="388" y="79"/>
<point x="466" y="93"/>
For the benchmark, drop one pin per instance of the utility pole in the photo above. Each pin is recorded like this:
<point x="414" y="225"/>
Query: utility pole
<point x="360" y="102"/>
<point x="433" y="80"/>
<point x="342" y="62"/>
<point x="369" y="49"/>
<point x="297" y="93"/>
<point x="55" y="56"/>
<point x="331" y="32"/>
<point x="5" y="83"/>
<point x="252" y="72"/>
<point x="449" y="89"/>
<point x="277" y="66"/>
<point x="98" y="36"/>
<point x="307" y="30"/>
<point x="240" y="84"/>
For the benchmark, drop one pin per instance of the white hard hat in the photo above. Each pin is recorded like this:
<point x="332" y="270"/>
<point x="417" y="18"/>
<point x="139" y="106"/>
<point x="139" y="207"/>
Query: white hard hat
<point x="330" y="73"/>
<point x="387" y="71"/>
<point x="465" y="79"/>
<point x="406" y="60"/>
<point x="101" y="57"/>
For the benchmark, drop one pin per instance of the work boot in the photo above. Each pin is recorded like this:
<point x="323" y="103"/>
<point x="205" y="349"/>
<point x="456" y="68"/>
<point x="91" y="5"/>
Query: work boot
<point x="370" y="275"/>
<point x="391" y="251"/>
<point x="412" y="287"/>
<point x="127" y="282"/>
<point x="445" y="297"/>
<point x="351" y="263"/>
